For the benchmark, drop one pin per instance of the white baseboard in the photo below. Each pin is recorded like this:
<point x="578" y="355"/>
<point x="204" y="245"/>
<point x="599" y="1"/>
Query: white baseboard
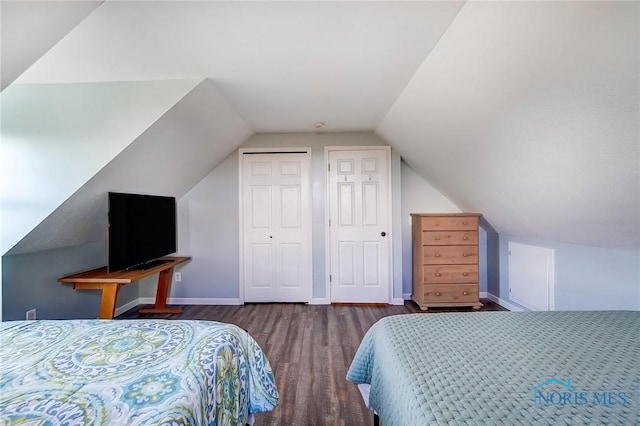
<point x="504" y="303"/>
<point x="192" y="301"/>
<point x="314" y="301"/>
<point x="176" y="301"/>
<point x="124" y="308"/>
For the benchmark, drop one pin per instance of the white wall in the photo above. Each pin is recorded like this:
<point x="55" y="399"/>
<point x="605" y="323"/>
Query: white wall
<point x="31" y="283"/>
<point x="169" y="158"/>
<point x="209" y="219"/>
<point x="418" y="196"/>
<point x="587" y="278"/>
<point x="208" y="232"/>
<point x="56" y="137"/>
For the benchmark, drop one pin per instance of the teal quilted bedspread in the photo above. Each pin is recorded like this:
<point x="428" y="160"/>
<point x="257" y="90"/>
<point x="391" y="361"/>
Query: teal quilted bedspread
<point x="503" y="368"/>
<point x="138" y="372"/>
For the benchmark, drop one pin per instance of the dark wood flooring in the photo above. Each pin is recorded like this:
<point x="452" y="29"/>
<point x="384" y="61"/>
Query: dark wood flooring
<point x="310" y="348"/>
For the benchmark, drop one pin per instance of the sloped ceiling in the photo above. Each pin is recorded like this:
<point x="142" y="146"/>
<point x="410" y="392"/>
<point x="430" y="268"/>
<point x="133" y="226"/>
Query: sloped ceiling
<point x="529" y="113"/>
<point x="208" y="131"/>
<point x="282" y="65"/>
<point x="525" y="111"/>
<point x="30" y="28"/>
<point x="55" y="137"/>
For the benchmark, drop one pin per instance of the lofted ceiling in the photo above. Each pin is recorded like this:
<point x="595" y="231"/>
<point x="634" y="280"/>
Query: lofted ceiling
<point x="141" y="168"/>
<point x="30" y="28"/>
<point x="527" y="112"/>
<point x="281" y="65"/>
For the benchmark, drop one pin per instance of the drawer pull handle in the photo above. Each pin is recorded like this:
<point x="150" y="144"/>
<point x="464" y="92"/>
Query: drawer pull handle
<point x="464" y="255"/>
<point x="438" y="274"/>
<point x="437" y="293"/>
<point x="465" y="274"/>
<point x="437" y="238"/>
<point x="464" y="223"/>
<point x="464" y="293"/>
<point x="465" y="238"/>
<point x="437" y="255"/>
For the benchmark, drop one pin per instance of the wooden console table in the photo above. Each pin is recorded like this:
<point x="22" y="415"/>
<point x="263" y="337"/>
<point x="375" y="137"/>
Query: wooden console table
<point x="110" y="282"/>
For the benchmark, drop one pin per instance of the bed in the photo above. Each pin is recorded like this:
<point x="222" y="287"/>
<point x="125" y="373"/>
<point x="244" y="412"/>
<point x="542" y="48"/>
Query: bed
<point x="495" y="368"/>
<point x="132" y="372"/>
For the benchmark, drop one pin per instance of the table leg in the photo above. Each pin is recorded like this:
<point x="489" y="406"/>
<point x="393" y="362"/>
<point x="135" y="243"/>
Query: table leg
<point x="162" y="292"/>
<point x="108" y="300"/>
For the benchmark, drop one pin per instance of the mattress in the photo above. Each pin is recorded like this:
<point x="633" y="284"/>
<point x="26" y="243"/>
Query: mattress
<point x="137" y="372"/>
<point x="493" y="368"/>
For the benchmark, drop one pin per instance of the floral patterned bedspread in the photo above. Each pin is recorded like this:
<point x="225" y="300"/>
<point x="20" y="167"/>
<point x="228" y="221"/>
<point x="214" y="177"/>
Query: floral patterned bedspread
<point x="131" y="372"/>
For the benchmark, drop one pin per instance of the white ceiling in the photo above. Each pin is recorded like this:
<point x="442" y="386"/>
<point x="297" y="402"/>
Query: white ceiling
<point x="528" y="112"/>
<point x="56" y="137"/>
<point x="30" y="28"/>
<point x="208" y="130"/>
<point x="282" y="65"/>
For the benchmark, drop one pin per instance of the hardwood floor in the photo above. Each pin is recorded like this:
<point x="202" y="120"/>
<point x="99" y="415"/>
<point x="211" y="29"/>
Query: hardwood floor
<point x="310" y="348"/>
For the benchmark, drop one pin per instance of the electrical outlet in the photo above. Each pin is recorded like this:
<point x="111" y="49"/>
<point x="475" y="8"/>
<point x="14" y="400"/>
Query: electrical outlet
<point x="177" y="277"/>
<point x="31" y="314"/>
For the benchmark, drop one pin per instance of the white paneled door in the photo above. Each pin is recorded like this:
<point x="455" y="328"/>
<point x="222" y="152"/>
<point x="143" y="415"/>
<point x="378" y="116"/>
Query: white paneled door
<point x="276" y="227"/>
<point x="359" y="225"/>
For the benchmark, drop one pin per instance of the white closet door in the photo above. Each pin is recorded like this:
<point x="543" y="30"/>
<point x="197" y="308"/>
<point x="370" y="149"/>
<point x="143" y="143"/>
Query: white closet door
<point x="532" y="277"/>
<point x="359" y="224"/>
<point x="276" y="228"/>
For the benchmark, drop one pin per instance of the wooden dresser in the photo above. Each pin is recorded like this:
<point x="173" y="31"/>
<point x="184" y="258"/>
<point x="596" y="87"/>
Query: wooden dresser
<point x="445" y="260"/>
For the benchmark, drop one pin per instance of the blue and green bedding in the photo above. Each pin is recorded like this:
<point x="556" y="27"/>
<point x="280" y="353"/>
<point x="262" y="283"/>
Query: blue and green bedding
<point x="502" y="368"/>
<point x="136" y="372"/>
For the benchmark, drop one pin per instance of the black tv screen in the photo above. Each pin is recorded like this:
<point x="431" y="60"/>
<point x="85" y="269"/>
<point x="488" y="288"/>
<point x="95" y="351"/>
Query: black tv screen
<point x="142" y="228"/>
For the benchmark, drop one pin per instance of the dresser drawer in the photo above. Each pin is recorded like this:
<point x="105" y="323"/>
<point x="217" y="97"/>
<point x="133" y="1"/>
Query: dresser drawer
<point x="449" y="255"/>
<point x="449" y="223"/>
<point x="450" y="274"/>
<point x="444" y="238"/>
<point x="450" y="293"/>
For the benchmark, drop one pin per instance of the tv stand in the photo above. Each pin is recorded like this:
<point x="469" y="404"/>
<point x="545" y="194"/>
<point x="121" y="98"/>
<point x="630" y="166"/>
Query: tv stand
<point x="148" y="265"/>
<point x="110" y="282"/>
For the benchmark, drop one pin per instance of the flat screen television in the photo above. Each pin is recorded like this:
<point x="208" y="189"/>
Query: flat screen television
<point x="142" y="228"/>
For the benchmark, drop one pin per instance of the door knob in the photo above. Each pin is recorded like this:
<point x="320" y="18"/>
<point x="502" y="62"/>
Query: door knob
<point x="383" y="233"/>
